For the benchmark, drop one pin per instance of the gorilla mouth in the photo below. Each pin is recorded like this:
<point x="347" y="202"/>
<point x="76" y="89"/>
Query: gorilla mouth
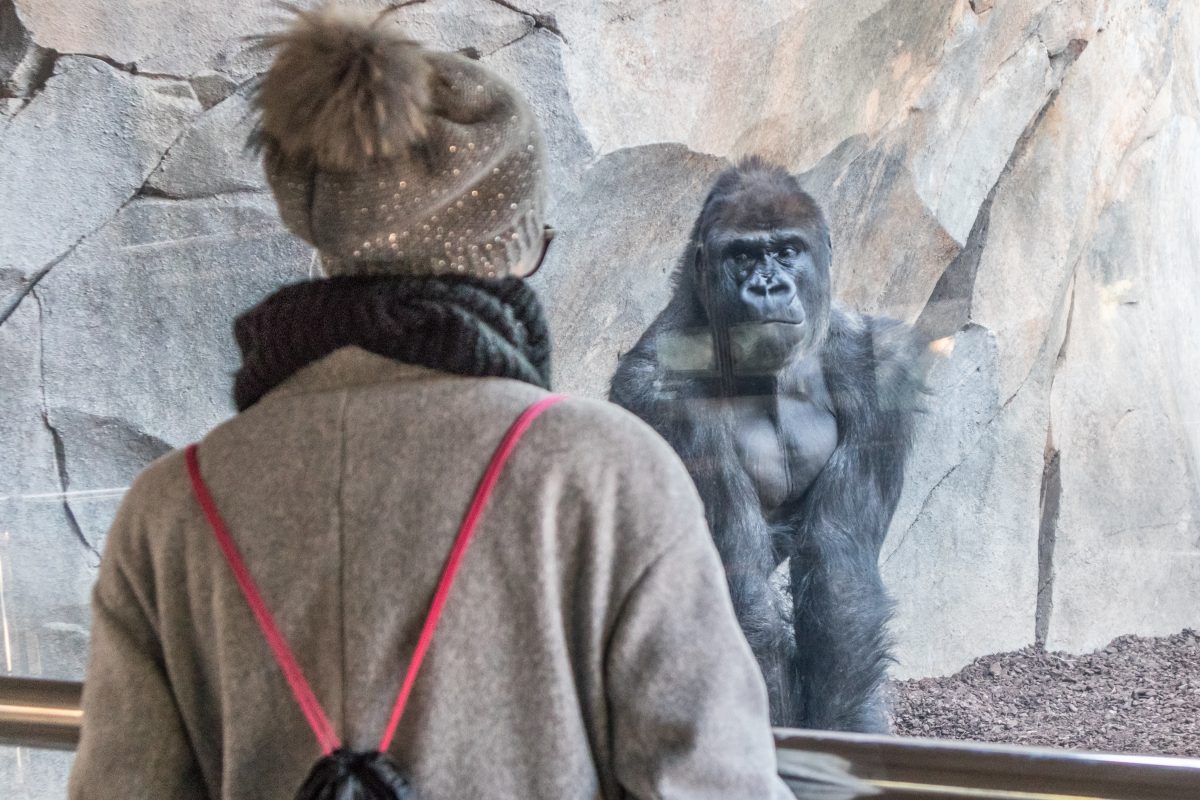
<point x="776" y="321"/>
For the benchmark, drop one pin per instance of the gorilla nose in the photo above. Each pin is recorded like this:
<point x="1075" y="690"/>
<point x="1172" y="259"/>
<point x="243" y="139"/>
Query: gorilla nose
<point x="768" y="296"/>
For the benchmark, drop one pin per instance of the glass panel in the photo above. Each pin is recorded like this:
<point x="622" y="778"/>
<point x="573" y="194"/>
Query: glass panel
<point x="46" y="573"/>
<point x="27" y="773"/>
<point x="1013" y="183"/>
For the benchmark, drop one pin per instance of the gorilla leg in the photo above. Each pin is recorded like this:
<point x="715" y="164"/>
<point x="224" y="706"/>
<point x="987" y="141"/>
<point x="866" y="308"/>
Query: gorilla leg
<point x="744" y="541"/>
<point x="840" y="613"/>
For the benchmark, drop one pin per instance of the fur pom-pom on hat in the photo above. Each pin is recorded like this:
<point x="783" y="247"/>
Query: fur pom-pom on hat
<point x="347" y="87"/>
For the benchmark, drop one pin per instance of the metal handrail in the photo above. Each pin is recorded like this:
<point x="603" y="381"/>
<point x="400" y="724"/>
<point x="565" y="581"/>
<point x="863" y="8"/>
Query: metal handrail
<point x="41" y="713"/>
<point x="903" y="767"/>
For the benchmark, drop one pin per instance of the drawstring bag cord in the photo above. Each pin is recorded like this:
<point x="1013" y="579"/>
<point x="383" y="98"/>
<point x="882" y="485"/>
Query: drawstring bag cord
<point x="372" y="770"/>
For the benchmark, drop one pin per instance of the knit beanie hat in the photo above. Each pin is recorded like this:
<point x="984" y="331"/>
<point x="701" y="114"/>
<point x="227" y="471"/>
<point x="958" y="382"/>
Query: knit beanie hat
<point x="390" y="158"/>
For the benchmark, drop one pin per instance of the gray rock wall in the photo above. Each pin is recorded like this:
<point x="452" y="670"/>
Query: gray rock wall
<point x="1020" y="175"/>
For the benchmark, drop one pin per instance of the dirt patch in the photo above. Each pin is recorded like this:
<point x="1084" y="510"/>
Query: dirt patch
<point x="1137" y="695"/>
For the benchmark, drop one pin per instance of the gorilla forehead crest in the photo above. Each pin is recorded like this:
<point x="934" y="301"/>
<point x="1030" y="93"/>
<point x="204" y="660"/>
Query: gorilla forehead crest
<point x="759" y="196"/>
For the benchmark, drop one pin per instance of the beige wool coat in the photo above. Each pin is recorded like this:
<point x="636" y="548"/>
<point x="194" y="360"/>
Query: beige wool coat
<point x="588" y="648"/>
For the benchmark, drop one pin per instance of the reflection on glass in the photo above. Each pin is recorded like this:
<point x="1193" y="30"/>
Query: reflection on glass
<point x="46" y="575"/>
<point x="28" y="773"/>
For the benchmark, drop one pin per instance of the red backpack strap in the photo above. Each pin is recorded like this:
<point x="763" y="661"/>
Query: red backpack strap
<point x="465" y="532"/>
<point x="317" y="719"/>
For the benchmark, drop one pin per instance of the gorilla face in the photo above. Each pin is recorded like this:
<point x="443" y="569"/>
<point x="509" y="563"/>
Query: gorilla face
<point x="765" y="270"/>
<point x="768" y="287"/>
<point x="760" y="269"/>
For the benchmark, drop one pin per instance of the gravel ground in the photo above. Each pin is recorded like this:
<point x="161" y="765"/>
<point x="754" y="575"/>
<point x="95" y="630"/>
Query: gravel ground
<point x="1137" y="695"/>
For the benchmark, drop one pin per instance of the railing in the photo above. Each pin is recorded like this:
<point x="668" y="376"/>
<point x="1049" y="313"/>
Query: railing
<point x="38" y="713"/>
<point x="900" y="767"/>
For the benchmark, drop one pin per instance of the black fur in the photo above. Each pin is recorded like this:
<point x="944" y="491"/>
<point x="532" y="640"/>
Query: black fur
<point x="824" y="658"/>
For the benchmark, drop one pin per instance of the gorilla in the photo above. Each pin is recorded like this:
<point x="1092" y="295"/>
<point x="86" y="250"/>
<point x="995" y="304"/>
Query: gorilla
<point x="794" y="418"/>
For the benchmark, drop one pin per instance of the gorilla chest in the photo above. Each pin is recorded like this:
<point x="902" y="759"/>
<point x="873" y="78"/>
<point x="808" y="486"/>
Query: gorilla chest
<point x="783" y="441"/>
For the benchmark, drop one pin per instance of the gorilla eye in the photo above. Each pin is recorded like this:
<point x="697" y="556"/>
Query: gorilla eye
<point x="787" y="252"/>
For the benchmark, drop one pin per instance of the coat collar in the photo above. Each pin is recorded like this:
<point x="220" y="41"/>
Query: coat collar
<point x="352" y="366"/>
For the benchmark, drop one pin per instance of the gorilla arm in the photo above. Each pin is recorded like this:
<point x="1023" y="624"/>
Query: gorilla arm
<point x="680" y="405"/>
<point x="874" y="368"/>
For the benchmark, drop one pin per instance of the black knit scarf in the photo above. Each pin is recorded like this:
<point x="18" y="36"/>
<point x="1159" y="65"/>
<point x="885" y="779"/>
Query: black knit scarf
<point x="468" y="326"/>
